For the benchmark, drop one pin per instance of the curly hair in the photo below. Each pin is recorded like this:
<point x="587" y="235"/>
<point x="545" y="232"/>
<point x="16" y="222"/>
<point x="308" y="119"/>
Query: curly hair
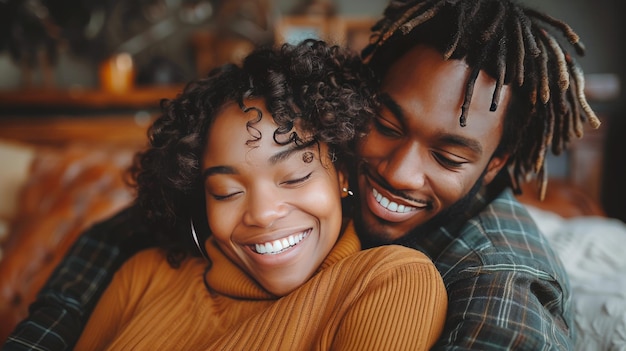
<point x="327" y="90"/>
<point x="515" y="45"/>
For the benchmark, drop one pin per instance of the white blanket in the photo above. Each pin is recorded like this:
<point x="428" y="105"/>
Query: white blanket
<point x="593" y="250"/>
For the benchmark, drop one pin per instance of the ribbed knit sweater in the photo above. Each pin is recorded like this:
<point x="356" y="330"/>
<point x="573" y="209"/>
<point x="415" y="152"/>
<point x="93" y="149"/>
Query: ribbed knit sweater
<point x="386" y="298"/>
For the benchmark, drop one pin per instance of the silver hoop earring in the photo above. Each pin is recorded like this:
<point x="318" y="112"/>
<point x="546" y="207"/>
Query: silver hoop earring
<point x="194" y="235"/>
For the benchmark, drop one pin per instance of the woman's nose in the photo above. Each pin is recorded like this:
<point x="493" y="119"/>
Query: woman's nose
<point x="264" y="207"/>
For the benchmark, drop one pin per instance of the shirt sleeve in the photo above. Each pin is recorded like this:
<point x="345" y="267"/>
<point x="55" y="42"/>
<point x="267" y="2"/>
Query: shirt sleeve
<point x="63" y="306"/>
<point x="506" y="306"/>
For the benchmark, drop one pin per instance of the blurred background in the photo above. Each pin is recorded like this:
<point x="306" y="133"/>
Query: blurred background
<point x="95" y="71"/>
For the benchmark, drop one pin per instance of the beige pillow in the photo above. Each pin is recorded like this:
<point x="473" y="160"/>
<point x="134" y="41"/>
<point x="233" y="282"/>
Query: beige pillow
<point x="15" y="162"/>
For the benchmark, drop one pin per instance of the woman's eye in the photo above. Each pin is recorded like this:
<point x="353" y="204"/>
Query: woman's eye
<point x="297" y="180"/>
<point x="224" y="197"/>
<point x="385" y="128"/>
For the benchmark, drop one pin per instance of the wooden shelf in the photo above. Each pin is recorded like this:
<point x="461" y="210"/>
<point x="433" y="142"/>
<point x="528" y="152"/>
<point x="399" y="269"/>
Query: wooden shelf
<point x="120" y="130"/>
<point x="58" y="117"/>
<point x="84" y="99"/>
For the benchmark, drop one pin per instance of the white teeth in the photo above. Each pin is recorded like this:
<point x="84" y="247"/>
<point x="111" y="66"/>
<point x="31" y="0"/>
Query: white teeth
<point x="279" y="245"/>
<point x="385" y="202"/>
<point x="390" y="205"/>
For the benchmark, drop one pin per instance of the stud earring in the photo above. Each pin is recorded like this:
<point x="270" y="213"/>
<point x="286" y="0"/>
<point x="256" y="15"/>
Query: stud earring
<point x="346" y="192"/>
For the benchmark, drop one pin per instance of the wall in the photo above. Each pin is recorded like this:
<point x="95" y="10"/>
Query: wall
<point x="596" y="22"/>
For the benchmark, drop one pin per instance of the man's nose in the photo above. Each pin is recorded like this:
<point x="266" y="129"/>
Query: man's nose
<point x="404" y="168"/>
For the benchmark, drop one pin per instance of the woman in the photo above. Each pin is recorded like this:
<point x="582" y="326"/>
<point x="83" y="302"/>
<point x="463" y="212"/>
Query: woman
<point x="256" y="156"/>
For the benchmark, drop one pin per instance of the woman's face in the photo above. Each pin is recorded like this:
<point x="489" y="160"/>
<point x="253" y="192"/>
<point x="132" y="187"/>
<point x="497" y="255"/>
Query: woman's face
<point x="274" y="210"/>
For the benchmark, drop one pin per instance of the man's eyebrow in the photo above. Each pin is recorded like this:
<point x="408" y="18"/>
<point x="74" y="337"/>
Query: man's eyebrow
<point x="448" y="138"/>
<point x="393" y="106"/>
<point x="455" y="139"/>
<point x="285" y="154"/>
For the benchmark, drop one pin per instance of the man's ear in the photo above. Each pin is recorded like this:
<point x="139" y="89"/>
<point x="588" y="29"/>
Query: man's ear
<point x="493" y="168"/>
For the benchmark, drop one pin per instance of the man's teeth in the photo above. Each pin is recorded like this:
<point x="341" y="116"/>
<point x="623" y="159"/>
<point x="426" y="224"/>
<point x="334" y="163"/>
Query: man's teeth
<point x="279" y="245"/>
<point x="390" y="205"/>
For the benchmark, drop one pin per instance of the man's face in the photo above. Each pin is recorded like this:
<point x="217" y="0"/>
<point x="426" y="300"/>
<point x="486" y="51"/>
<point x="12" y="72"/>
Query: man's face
<point x="417" y="161"/>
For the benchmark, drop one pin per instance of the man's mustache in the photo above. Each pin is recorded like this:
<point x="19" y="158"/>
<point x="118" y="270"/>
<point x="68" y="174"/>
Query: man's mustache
<point x="364" y="169"/>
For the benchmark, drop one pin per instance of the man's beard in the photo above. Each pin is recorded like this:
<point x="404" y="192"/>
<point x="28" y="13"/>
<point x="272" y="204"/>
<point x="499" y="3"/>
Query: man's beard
<point x="453" y="213"/>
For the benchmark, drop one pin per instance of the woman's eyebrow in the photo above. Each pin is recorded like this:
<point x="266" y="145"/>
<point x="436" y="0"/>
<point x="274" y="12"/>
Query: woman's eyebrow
<point x="274" y="159"/>
<point x="218" y="170"/>
<point x="285" y="154"/>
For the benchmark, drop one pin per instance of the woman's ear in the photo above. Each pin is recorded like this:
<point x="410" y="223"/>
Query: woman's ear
<point x="344" y="189"/>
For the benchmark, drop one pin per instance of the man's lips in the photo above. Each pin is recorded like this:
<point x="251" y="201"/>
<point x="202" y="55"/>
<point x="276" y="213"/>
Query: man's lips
<point x="389" y="207"/>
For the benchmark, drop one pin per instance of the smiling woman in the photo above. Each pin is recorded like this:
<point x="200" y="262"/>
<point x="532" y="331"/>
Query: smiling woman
<point x="256" y="155"/>
<point x="271" y="212"/>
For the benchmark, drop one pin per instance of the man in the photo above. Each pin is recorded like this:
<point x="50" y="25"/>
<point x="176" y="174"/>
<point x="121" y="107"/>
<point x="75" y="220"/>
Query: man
<point x="473" y="94"/>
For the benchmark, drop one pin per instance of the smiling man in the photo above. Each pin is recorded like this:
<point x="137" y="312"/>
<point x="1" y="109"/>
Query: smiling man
<point x="474" y="93"/>
<point x="419" y="166"/>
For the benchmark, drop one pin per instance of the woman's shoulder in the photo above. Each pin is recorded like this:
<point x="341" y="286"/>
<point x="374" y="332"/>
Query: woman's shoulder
<point x="147" y="258"/>
<point x="396" y="255"/>
<point x="384" y="259"/>
<point x="147" y="273"/>
<point x="382" y="256"/>
<point x="153" y="261"/>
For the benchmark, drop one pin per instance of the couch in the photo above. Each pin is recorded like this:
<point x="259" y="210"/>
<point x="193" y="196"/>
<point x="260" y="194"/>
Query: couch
<point x="49" y="195"/>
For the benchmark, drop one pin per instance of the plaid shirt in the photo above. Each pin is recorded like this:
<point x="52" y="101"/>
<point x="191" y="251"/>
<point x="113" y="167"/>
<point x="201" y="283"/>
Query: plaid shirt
<point x="506" y="287"/>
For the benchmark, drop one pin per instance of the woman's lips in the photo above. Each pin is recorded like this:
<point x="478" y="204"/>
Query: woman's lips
<point x="280" y="245"/>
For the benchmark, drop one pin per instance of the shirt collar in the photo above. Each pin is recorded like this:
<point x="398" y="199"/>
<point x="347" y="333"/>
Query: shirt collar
<point x="436" y="239"/>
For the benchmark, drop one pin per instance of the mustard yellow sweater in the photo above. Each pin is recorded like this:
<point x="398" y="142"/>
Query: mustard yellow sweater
<point x="386" y="298"/>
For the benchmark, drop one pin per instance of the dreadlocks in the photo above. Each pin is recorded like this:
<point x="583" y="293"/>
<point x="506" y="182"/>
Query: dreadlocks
<point x="515" y="45"/>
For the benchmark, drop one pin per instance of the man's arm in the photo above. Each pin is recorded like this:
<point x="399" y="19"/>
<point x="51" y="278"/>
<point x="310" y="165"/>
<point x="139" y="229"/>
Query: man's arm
<point x="66" y="301"/>
<point x="507" y="306"/>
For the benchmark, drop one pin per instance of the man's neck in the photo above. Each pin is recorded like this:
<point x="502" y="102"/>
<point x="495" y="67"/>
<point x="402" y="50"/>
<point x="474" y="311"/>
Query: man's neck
<point x="451" y="220"/>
